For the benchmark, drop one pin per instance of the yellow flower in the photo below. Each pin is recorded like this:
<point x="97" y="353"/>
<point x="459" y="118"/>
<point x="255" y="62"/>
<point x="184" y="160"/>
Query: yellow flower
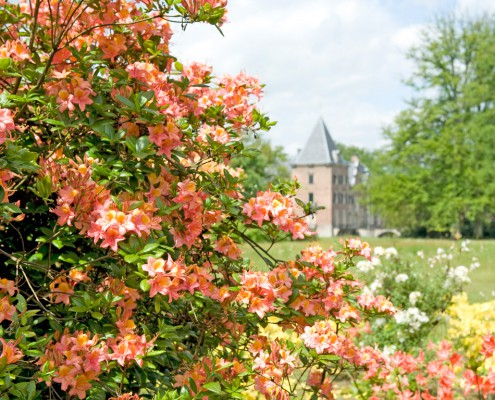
<point x="469" y="323"/>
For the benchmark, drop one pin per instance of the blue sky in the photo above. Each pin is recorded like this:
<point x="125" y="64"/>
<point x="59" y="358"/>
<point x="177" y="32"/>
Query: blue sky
<point x="342" y="60"/>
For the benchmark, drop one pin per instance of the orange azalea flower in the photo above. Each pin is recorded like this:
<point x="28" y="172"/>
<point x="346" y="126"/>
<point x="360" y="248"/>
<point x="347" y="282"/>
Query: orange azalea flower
<point x="11" y="353"/>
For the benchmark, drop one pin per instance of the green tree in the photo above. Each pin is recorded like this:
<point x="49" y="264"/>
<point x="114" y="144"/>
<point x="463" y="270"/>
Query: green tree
<point x="366" y="157"/>
<point x="437" y="172"/>
<point x="262" y="164"/>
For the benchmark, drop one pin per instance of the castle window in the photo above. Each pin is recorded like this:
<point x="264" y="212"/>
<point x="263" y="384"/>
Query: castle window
<point x="341" y="198"/>
<point x="310" y="197"/>
<point x="310" y="178"/>
<point x="341" y="179"/>
<point x="334" y="179"/>
<point x="334" y="197"/>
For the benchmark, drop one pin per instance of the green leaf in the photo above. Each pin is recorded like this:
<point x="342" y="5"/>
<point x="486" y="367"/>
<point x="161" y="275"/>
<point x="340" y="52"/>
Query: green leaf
<point x="126" y="101"/>
<point x="144" y="285"/>
<point x="11" y="208"/>
<point x="96" y="315"/>
<point x="131" y="258"/>
<point x="149" y="247"/>
<point x="5" y="63"/>
<point x="21" y="303"/>
<point x="213" y="387"/>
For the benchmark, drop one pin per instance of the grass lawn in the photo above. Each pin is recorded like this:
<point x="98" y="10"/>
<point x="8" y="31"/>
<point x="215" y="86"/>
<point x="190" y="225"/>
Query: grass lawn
<point x="481" y="288"/>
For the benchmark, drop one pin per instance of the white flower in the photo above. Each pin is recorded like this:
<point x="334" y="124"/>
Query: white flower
<point x="475" y="264"/>
<point x="389" y="350"/>
<point x="401" y="278"/>
<point x="459" y="274"/>
<point x="375" y="285"/>
<point x="413" y="317"/>
<point x="464" y="246"/>
<point x="413" y="297"/>
<point x="391" y="252"/>
<point x="379" y="251"/>
<point x="364" y="265"/>
<point x="375" y="261"/>
<point x="421" y="254"/>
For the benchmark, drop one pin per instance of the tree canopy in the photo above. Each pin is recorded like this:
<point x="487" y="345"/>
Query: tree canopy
<point x="366" y="157"/>
<point x="437" y="172"/>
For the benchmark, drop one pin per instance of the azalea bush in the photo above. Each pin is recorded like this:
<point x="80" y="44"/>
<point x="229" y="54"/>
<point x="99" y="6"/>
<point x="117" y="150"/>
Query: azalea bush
<point x="421" y="288"/>
<point x="121" y="219"/>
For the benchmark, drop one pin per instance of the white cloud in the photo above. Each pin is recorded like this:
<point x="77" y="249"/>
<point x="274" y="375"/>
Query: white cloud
<point x="342" y="59"/>
<point x="408" y="37"/>
<point x="474" y="7"/>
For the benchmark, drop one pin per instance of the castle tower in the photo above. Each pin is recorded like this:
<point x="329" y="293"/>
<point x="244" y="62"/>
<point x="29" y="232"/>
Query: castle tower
<point x="326" y="180"/>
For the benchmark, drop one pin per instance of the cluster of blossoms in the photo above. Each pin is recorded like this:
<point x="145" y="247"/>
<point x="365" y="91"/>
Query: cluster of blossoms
<point x="88" y="206"/>
<point x="458" y="275"/>
<point x="440" y="375"/>
<point x="325" y="339"/>
<point x="15" y="49"/>
<point x="466" y="321"/>
<point x="379" y="303"/>
<point x="368" y="265"/>
<point x="10" y="352"/>
<point x="201" y="371"/>
<point x="6" y="124"/>
<point x="76" y="360"/>
<point x="62" y="287"/>
<point x="319" y="265"/>
<point x="322" y="384"/>
<point x="272" y="363"/>
<point x="412" y="317"/>
<point x="279" y="210"/>
<point x="196" y="218"/>
<point x="260" y="290"/>
<point x="166" y="137"/>
<point x="71" y="92"/>
<point x="194" y="6"/>
<point x="173" y="278"/>
<point x="7" y="290"/>
<point x="388" y="252"/>
<point x="356" y="247"/>
<point x="226" y="246"/>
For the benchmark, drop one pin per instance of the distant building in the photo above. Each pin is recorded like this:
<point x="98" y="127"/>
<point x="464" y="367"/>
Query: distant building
<point x="328" y="180"/>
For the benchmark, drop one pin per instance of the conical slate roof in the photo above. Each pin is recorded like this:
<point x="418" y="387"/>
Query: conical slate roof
<point x="319" y="149"/>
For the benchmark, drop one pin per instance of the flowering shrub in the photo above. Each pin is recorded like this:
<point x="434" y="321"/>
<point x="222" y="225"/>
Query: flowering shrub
<point x="466" y="321"/>
<point x="421" y="289"/>
<point x="439" y="372"/>
<point x="120" y="222"/>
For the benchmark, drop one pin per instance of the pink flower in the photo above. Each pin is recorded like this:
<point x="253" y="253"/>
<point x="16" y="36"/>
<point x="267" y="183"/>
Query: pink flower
<point x="7" y="310"/>
<point x="488" y="346"/>
<point x="9" y="350"/>
<point x="6" y="123"/>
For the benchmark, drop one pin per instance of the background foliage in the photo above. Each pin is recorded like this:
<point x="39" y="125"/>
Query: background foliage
<point x="436" y="175"/>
